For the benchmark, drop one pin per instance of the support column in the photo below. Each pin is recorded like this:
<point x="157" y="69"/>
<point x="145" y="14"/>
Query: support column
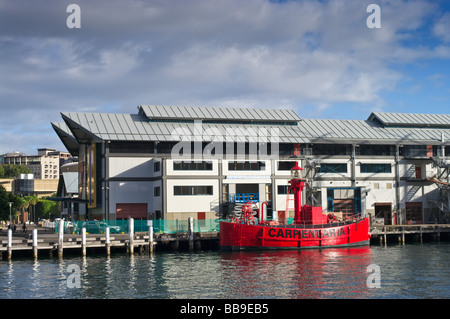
<point x="107" y="241"/>
<point x="60" y="237"/>
<point x="353" y="165"/>
<point x="397" y="184"/>
<point x="191" y="233"/>
<point x="9" y="245"/>
<point x="35" y="243"/>
<point x="150" y="236"/>
<point x="131" y="235"/>
<point x="83" y="241"/>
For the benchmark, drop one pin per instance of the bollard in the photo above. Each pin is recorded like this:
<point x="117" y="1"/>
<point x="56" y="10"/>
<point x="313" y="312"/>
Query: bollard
<point x="35" y="243"/>
<point x="9" y="243"/>
<point x="150" y="236"/>
<point x="107" y="242"/>
<point x="60" y="237"/>
<point x="131" y="235"/>
<point x="83" y="241"/>
<point x="191" y="233"/>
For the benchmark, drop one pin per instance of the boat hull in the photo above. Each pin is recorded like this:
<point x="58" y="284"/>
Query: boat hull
<point x="236" y="236"/>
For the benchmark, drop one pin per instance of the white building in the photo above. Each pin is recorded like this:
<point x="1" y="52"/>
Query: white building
<point x="175" y="162"/>
<point x="44" y="165"/>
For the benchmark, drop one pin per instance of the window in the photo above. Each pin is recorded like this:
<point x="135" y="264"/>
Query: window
<point x="283" y="189"/>
<point x="332" y="149"/>
<point x="375" y="150"/>
<point x="192" y="190"/>
<point x="157" y="191"/>
<point x="333" y="168"/>
<point x="246" y="166"/>
<point x="192" y="166"/>
<point x="375" y="168"/>
<point x="285" y="165"/>
<point x="156" y="166"/>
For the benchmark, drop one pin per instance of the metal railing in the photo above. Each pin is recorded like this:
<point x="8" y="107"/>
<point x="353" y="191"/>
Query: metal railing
<point x="122" y="226"/>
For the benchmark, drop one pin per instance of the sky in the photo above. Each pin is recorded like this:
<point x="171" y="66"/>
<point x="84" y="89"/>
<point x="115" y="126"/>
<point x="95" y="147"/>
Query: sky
<point x="319" y="58"/>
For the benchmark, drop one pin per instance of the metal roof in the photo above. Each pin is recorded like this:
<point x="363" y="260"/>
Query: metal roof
<point x="231" y="115"/>
<point x="67" y="138"/>
<point x="412" y="120"/>
<point x="349" y="131"/>
<point x="136" y="127"/>
<point x="167" y="124"/>
<point x="71" y="182"/>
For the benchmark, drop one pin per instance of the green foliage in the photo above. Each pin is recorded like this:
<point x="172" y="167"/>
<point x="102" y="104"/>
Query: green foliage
<point x="45" y="208"/>
<point x="5" y="198"/>
<point x="12" y="170"/>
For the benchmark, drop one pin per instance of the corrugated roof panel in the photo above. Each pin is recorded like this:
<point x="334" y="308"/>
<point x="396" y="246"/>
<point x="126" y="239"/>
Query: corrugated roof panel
<point x="120" y="118"/>
<point x="220" y="114"/>
<point x="129" y="123"/>
<point x="114" y="124"/>
<point x="98" y="118"/>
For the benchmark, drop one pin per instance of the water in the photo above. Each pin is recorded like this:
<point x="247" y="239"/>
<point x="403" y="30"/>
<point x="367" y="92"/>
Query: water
<point x="409" y="271"/>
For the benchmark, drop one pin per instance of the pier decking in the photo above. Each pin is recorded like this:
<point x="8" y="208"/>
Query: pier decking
<point x="47" y="242"/>
<point x="402" y="233"/>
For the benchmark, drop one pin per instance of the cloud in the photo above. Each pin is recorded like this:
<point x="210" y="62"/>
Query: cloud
<point x="442" y="27"/>
<point x="256" y="53"/>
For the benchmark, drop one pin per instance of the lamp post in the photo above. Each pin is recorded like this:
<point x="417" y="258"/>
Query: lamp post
<point x="10" y="216"/>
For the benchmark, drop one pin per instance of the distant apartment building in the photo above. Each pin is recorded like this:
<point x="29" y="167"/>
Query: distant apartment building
<point x="45" y="165"/>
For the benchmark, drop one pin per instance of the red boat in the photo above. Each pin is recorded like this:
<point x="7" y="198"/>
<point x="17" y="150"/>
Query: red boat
<point x="311" y="227"/>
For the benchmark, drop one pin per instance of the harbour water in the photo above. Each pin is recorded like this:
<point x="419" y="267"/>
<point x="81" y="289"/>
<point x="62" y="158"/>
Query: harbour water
<point x="417" y="271"/>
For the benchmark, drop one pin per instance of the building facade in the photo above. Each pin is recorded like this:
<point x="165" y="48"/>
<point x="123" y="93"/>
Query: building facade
<point x="169" y="162"/>
<point x="44" y="165"/>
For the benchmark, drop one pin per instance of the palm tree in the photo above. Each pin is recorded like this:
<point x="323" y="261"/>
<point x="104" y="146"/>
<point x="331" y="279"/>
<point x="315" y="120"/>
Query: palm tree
<point x="33" y="201"/>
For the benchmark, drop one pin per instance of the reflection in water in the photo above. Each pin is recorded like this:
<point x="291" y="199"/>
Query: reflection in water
<point x="411" y="271"/>
<point x="297" y="274"/>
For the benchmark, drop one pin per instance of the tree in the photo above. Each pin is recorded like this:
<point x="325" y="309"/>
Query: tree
<point x="33" y="201"/>
<point x="4" y="207"/>
<point x="45" y="208"/>
<point x="12" y="170"/>
<point x="5" y="198"/>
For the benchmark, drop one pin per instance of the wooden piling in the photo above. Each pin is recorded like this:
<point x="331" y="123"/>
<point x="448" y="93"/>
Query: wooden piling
<point x="83" y="241"/>
<point x="131" y="235"/>
<point x="60" y="237"/>
<point x="107" y="241"/>
<point x="150" y="237"/>
<point x="9" y="245"/>
<point x="35" y="243"/>
<point x="191" y="233"/>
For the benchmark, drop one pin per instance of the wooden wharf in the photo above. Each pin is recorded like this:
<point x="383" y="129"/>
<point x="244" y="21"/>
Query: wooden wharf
<point x="35" y="242"/>
<point x="415" y="232"/>
<point x="48" y="243"/>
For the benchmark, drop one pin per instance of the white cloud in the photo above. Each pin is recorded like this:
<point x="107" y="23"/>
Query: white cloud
<point x="442" y="27"/>
<point x="242" y="52"/>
